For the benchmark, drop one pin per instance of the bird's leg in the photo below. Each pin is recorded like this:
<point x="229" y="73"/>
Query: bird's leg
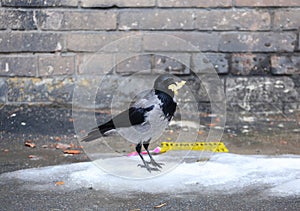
<point x="138" y="148"/>
<point x="153" y="162"/>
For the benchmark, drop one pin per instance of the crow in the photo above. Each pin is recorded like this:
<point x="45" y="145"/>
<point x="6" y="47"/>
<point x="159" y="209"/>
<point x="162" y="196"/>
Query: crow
<point x="146" y="118"/>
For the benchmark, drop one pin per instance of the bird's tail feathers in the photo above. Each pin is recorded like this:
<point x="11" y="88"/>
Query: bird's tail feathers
<point x="94" y="134"/>
<point x="98" y="132"/>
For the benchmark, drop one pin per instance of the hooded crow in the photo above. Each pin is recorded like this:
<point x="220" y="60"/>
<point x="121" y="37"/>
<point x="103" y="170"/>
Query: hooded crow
<point x="146" y="118"/>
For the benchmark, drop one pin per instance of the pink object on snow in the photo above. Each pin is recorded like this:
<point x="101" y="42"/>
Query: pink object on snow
<point x="155" y="151"/>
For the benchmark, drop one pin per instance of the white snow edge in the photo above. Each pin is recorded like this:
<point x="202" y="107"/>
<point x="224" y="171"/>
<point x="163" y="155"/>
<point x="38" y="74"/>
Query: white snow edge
<point x="224" y="173"/>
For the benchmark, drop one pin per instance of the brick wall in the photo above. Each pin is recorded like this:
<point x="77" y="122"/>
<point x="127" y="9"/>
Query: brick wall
<point x="254" y="46"/>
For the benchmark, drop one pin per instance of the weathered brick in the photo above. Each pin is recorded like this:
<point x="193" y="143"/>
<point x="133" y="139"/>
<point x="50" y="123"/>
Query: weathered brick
<point x="285" y="64"/>
<point x="173" y="63"/>
<point x="86" y="87"/>
<point x="243" y="90"/>
<point x="292" y="109"/>
<point x="209" y="63"/>
<point x="123" y="89"/>
<point x="181" y="41"/>
<point x="267" y="3"/>
<point x="50" y="65"/>
<point x="40" y="3"/>
<point x="96" y="64"/>
<point x="17" y="19"/>
<point x="51" y="90"/>
<point x="117" y="3"/>
<point x="299" y="41"/>
<point x="296" y="80"/>
<point x="75" y="20"/>
<point x="201" y="88"/>
<point x="30" y="42"/>
<point x="257" y="117"/>
<point x="287" y="19"/>
<point x="233" y="20"/>
<point x="219" y="62"/>
<point x="273" y="119"/>
<point x="250" y="64"/>
<point x="193" y="3"/>
<point x="211" y="88"/>
<point x="18" y="65"/>
<point x="156" y="19"/>
<point x="107" y="88"/>
<point x="128" y="64"/>
<point x="257" y="42"/>
<point x="116" y="92"/>
<point x="104" y="41"/>
<point x="3" y="90"/>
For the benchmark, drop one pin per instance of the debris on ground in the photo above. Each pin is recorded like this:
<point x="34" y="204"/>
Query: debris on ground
<point x="72" y="151"/>
<point x="57" y="138"/>
<point x="33" y="157"/>
<point x="59" y="183"/>
<point x="29" y="143"/>
<point x="160" y="205"/>
<point x="62" y="146"/>
<point x="157" y="150"/>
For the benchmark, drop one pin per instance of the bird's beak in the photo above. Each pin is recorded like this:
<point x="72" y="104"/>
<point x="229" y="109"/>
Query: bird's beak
<point x="176" y="87"/>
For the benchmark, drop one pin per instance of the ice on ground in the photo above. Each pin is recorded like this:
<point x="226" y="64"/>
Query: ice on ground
<point x="223" y="172"/>
<point x="288" y="188"/>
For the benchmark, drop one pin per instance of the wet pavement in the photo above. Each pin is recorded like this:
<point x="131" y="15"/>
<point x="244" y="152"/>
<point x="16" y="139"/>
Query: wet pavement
<point x="12" y="199"/>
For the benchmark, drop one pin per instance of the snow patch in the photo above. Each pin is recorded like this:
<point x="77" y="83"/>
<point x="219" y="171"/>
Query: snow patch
<point x="224" y="171"/>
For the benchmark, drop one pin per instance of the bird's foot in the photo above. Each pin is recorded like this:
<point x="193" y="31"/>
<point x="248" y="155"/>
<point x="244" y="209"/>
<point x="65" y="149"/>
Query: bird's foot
<point x="149" y="168"/>
<point x="154" y="163"/>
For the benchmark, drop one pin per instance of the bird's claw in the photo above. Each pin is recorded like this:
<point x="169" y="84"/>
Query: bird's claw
<point x="146" y="165"/>
<point x="154" y="163"/>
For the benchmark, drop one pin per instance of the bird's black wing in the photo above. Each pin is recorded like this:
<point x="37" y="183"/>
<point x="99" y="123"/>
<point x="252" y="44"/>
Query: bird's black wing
<point x="132" y="116"/>
<point x="128" y="118"/>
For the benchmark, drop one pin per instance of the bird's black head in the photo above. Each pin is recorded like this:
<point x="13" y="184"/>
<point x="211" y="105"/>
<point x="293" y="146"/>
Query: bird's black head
<point x="168" y="83"/>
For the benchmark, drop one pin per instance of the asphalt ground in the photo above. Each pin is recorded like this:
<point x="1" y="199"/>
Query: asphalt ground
<point x="14" y="199"/>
